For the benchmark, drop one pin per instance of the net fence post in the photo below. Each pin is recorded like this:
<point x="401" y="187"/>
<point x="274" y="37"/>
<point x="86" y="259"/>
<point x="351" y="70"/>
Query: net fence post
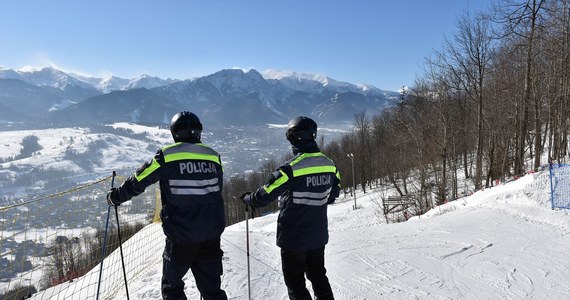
<point x="551" y="187"/>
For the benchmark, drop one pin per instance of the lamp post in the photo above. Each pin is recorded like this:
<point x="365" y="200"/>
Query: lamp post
<point x="351" y="156"/>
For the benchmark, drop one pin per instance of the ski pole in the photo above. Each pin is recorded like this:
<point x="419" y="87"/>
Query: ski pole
<point x="247" y="248"/>
<point x="121" y="250"/>
<point x="105" y="240"/>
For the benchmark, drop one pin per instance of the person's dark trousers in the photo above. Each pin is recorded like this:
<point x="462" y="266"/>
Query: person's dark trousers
<point x="205" y="261"/>
<point x="296" y="264"/>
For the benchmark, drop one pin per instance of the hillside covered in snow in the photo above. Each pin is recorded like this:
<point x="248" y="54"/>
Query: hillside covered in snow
<point x="499" y="243"/>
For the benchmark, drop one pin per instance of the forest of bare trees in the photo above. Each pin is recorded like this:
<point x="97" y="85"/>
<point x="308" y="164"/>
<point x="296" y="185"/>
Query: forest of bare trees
<point x="492" y="104"/>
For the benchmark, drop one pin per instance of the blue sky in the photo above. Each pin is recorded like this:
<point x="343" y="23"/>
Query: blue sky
<point x="379" y="42"/>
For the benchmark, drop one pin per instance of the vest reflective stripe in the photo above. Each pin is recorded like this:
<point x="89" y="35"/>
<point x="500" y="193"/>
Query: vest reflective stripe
<point x="187" y="147"/>
<point x="305" y="155"/>
<point x="191" y="156"/>
<point x="193" y="187"/>
<point x="277" y="183"/>
<point x="153" y="167"/>
<point x="314" y="170"/>
<point x="310" y="202"/>
<point x="202" y="191"/>
<point x="313" y="199"/>
<point x="312" y="163"/>
<point x="193" y="183"/>
<point x="181" y="151"/>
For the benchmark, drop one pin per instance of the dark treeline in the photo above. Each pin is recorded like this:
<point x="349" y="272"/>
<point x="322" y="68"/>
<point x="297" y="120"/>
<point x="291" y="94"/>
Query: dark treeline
<point x="491" y="104"/>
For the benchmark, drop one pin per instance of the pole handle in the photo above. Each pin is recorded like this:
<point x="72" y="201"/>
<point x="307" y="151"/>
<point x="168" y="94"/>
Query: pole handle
<point x="113" y="179"/>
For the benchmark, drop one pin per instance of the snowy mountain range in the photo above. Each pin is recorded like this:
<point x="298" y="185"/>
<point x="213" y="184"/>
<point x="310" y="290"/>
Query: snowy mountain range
<point x="50" y="76"/>
<point x="230" y="96"/>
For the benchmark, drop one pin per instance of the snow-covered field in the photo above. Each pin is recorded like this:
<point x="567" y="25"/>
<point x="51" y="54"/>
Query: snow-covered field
<point x="119" y="151"/>
<point x="500" y="243"/>
<point x="68" y="156"/>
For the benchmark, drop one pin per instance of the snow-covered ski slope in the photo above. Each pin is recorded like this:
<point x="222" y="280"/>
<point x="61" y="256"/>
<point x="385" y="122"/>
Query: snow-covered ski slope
<point x="501" y="243"/>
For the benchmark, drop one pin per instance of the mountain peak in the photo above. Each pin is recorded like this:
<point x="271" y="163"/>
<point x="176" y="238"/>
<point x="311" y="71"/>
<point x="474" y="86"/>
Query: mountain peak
<point x="51" y="69"/>
<point x="145" y="76"/>
<point x="147" y="81"/>
<point x="304" y="81"/>
<point x="29" y="69"/>
<point x="236" y="77"/>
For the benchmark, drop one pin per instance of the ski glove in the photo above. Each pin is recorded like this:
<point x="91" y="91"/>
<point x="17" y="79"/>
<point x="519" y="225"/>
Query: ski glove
<point x="110" y="197"/>
<point x="246" y="198"/>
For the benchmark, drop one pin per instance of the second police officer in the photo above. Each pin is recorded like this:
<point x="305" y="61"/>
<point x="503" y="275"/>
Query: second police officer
<point x="306" y="184"/>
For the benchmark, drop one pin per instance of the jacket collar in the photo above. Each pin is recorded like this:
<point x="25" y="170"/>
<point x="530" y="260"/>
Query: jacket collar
<point x="309" y="147"/>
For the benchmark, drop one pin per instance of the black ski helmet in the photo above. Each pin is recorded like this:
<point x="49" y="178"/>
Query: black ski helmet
<point x="185" y="126"/>
<point x="301" y="130"/>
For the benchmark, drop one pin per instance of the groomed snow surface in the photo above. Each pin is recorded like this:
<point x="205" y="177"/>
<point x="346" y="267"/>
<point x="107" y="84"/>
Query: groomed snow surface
<point x="500" y="243"/>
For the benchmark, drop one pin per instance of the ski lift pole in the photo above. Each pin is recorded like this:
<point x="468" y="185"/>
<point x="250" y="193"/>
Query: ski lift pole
<point x="105" y="240"/>
<point x="247" y="248"/>
<point x="121" y="250"/>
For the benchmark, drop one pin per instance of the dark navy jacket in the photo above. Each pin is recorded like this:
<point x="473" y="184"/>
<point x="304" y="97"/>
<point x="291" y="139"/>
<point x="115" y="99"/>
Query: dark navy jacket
<point x="191" y="182"/>
<point x="305" y="184"/>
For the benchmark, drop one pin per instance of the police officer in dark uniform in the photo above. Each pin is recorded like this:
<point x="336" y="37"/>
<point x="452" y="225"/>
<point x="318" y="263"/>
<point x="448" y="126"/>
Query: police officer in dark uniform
<point x="306" y="184"/>
<point x="193" y="219"/>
